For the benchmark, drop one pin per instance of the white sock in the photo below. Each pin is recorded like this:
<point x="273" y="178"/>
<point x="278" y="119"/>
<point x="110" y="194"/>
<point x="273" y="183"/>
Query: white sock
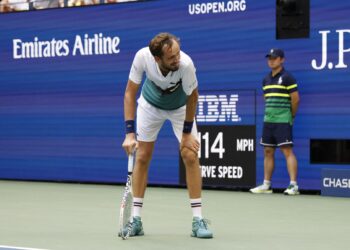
<point x="294" y="183"/>
<point x="196" y="205"/>
<point x="137" y="206"/>
<point x="267" y="183"/>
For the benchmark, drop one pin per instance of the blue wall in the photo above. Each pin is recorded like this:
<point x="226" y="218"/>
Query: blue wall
<point x="61" y="118"/>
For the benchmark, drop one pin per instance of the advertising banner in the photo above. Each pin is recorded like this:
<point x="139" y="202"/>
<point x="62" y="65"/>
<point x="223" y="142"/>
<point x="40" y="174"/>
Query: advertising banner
<point x="64" y="72"/>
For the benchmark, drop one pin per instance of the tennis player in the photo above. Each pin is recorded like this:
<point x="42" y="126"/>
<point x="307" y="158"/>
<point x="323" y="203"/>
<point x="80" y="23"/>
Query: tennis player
<point x="169" y="92"/>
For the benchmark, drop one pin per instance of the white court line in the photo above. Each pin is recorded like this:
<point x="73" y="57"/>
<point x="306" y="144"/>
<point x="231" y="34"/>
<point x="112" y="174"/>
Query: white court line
<point x="18" y="248"/>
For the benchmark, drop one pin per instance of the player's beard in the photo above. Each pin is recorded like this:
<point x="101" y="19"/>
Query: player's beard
<point x="171" y="67"/>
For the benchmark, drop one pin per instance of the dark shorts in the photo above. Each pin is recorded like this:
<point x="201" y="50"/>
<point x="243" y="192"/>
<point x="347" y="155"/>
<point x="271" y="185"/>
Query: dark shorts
<point x="277" y="135"/>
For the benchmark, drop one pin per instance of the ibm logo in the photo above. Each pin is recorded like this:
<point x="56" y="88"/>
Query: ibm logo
<point x="218" y="108"/>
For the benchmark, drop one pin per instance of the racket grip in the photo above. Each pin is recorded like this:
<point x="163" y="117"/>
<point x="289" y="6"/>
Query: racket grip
<point x="130" y="162"/>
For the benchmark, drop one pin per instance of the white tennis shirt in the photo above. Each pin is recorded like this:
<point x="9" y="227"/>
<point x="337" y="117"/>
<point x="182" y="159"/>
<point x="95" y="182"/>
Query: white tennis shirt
<point x="144" y="62"/>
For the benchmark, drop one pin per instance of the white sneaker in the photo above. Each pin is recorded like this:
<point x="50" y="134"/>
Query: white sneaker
<point x="262" y="189"/>
<point x="292" y="190"/>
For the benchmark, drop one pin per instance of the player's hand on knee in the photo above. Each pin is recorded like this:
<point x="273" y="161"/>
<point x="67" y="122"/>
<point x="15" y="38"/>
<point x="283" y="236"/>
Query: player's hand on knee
<point x="130" y="144"/>
<point x="190" y="142"/>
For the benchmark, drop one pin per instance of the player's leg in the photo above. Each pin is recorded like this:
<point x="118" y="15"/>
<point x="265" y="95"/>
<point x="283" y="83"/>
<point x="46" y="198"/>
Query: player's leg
<point x="269" y="162"/>
<point x="292" y="164"/>
<point x="190" y="158"/>
<point x="269" y="143"/>
<point x="140" y="174"/>
<point x="193" y="176"/>
<point x="193" y="173"/>
<point x="285" y="141"/>
<point x="149" y="123"/>
<point x="194" y="185"/>
<point x="139" y="184"/>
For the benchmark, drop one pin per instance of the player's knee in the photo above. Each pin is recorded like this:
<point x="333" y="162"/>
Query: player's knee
<point x="269" y="152"/>
<point x="188" y="156"/>
<point x="143" y="158"/>
<point x="287" y="151"/>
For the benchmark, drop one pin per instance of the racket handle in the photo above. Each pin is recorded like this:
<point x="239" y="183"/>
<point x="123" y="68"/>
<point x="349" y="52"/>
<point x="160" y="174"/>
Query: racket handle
<point x="130" y="162"/>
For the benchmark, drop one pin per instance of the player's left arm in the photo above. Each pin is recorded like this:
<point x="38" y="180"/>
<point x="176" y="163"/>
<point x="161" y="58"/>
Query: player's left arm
<point x="292" y="87"/>
<point x="188" y="140"/>
<point x="190" y="85"/>
<point x="295" y="99"/>
<point x="191" y="105"/>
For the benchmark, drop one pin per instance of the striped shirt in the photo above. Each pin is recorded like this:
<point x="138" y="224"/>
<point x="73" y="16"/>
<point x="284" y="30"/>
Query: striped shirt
<point x="277" y="90"/>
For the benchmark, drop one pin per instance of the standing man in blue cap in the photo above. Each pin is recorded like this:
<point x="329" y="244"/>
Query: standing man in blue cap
<point x="281" y="105"/>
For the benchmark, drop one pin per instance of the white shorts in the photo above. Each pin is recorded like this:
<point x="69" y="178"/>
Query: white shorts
<point x="151" y="119"/>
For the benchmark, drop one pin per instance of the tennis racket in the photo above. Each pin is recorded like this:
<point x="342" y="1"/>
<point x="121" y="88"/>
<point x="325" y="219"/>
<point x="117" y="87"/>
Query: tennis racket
<point x="125" y="213"/>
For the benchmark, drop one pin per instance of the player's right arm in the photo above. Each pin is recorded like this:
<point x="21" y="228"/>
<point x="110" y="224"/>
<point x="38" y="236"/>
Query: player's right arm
<point x="135" y="77"/>
<point x="130" y="142"/>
